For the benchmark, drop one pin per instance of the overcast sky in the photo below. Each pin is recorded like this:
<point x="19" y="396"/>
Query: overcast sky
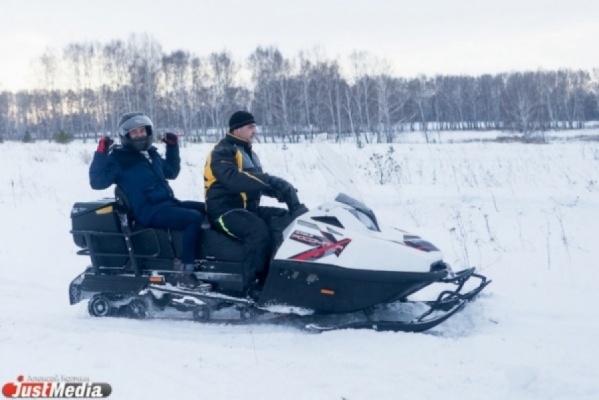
<point x="415" y="36"/>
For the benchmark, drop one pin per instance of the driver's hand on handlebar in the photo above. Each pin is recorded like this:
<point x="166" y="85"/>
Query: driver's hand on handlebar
<point x="299" y="209"/>
<point x="280" y="185"/>
<point x="281" y="196"/>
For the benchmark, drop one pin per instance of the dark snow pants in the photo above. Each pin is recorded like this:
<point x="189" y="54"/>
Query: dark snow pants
<point x="188" y="217"/>
<point x="253" y="228"/>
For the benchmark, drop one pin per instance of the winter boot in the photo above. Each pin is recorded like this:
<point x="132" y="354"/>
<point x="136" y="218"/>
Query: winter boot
<point x="187" y="280"/>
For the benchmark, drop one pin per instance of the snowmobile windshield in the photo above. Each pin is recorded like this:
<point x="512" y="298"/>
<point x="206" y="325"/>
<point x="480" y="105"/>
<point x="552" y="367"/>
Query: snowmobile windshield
<point x="337" y="171"/>
<point x="360" y="211"/>
<point x="338" y="174"/>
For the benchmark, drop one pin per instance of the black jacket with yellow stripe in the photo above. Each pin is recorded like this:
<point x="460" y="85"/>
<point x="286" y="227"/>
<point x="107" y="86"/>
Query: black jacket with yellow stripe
<point x="233" y="177"/>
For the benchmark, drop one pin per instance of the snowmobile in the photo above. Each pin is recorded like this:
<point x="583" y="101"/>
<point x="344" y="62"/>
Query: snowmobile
<point x="333" y="267"/>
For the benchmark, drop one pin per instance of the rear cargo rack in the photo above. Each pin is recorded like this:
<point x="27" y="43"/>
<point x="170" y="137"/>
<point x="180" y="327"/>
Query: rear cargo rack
<point x="127" y="236"/>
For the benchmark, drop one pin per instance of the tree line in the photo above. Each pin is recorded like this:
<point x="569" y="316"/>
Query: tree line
<point x="83" y="90"/>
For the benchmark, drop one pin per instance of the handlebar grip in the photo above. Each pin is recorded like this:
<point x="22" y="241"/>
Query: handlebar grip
<point x="292" y="200"/>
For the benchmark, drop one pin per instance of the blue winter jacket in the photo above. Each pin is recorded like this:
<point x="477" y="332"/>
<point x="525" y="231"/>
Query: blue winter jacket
<point x="144" y="182"/>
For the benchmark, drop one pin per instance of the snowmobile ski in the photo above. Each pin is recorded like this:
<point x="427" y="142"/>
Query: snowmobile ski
<point x="416" y="325"/>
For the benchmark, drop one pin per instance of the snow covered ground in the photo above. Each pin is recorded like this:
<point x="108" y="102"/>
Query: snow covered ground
<point x="526" y="215"/>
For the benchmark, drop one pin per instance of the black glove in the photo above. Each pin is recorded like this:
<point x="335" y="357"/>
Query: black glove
<point x="286" y="193"/>
<point x="104" y="145"/>
<point x="280" y="184"/>
<point x="281" y="196"/>
<point x="283" y="190"/>
<point x="171" y="139"/>
<point x="298" y="210"/>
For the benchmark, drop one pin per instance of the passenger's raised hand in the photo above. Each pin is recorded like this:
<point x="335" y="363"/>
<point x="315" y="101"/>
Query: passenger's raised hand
<point x="104" y="145"/>
<point x="171" y="139"/>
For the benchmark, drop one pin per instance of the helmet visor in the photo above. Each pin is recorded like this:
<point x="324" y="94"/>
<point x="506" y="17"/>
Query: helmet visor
<point x="135" y="122"/>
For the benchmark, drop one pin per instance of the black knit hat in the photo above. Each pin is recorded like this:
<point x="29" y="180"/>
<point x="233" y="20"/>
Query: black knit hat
<point x="240" y="119"/>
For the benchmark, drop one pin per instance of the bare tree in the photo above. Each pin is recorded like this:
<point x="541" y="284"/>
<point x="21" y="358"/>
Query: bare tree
<point x="571" y="96"/>
<point x="422" y="90"/>
<point x="49" y="100"/>
<point x="79" y="57"/>
<point x="329" y="85"/>
<point x="84" y="89"/>
<point x="6" y="130"/>
<point x="198" y="97"/>
<point x="595" y="93"/>
<point x="306" y="93"/>
<point x="362" y="70"/>
<point x="393" y="95"/>
<point x="222" y="70"/>
<point x="178" y="77"/>
<point x="264" y="64"/>
<point x="522" y="103"/>
<point x="145" y="61"/>
<point x="274" y="88"/>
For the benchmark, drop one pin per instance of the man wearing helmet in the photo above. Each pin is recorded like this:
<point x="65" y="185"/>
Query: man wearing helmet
<point x="142" y="173"/>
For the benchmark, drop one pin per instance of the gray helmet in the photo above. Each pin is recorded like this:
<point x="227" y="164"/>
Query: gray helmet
<point x="132" y="120"/>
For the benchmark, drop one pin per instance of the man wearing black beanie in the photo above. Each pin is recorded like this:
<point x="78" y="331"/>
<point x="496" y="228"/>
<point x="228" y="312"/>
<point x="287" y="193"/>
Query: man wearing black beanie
<point x="233" y="184"/>
<point x="240" y="119"/>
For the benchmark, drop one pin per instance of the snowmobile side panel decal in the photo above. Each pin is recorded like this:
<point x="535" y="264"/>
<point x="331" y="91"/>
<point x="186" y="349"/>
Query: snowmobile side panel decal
<point x="325" y="245"/>
<point x="307" y="238"/>
<point x="323" y="250"/>
<point x="329" y="237"/>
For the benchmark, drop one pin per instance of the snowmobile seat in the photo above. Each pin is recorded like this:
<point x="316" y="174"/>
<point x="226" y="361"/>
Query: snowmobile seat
<point x="98" y="229"/>
<point x="106" y="231"/>
<point x="152" y="247"/>
<point x="214" y="245"/>
<point x="216" y="252"/>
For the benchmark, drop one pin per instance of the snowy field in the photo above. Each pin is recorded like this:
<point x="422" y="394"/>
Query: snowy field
<point x="526" y="215"/>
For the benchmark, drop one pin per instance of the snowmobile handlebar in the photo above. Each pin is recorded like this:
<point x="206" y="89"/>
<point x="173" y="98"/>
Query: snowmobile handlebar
<point x="295" y="207"/>
<point x="290" y="198"/>
<point x="284" y="192"/>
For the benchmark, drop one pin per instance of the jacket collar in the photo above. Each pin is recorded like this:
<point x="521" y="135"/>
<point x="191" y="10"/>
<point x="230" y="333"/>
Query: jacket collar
<point x="239" y="142"/>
